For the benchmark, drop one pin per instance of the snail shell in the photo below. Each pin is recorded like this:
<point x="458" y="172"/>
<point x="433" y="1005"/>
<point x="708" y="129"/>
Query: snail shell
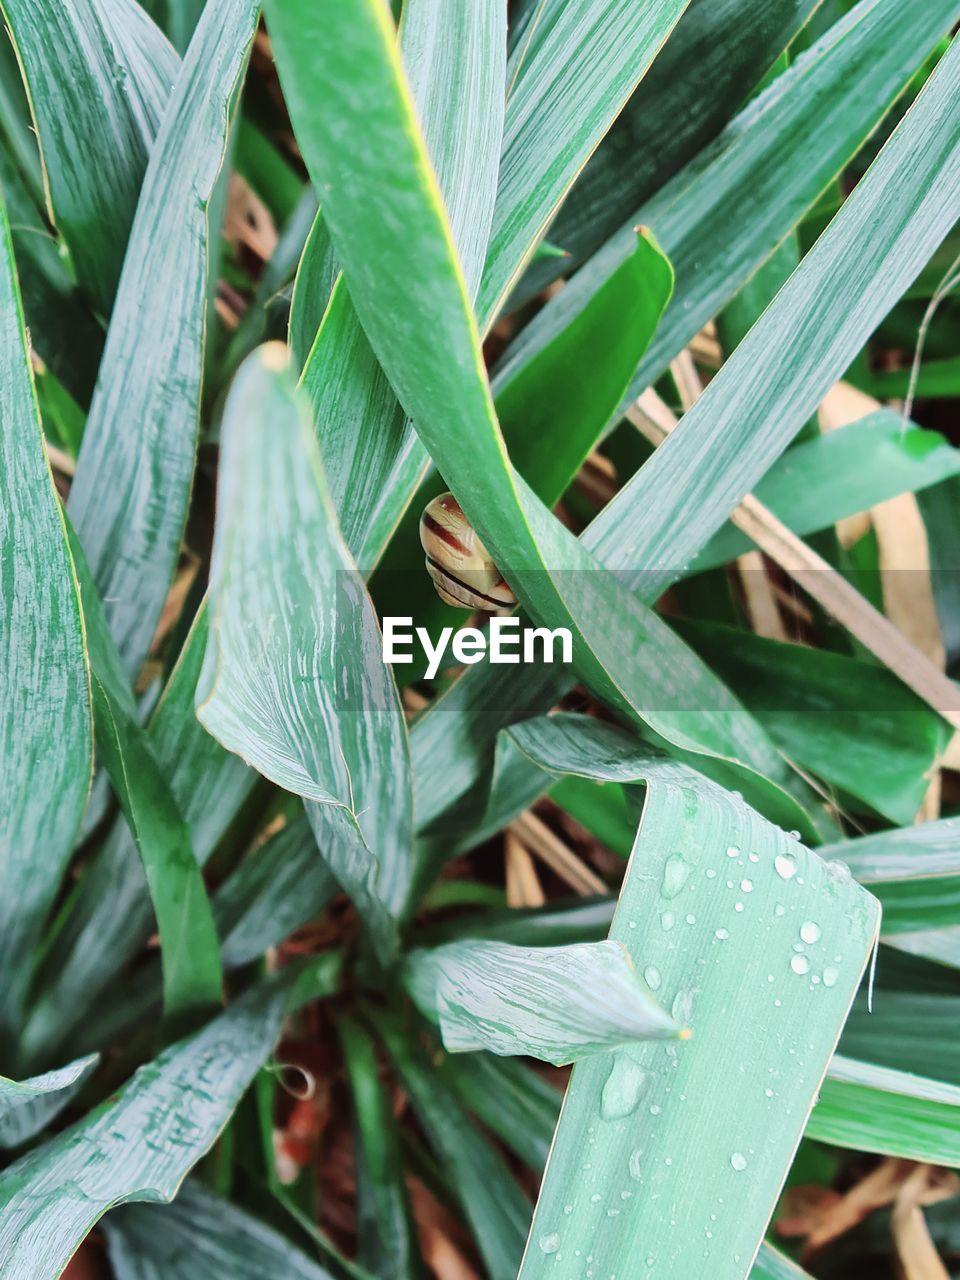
<point x="458" y="562"/>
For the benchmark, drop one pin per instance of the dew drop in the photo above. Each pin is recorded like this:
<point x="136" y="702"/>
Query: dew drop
<point x="690" y="919"/>
<point x="711" y="873"/>
<point x="722" y="934"/>
<point x="739" y="1161"/>
<point x="839" y="872"/>
<point x="746" y="886"/>
<point x="634" y="1165"/>
<point x="595" y="1198"/>
<point x="550" y="1243"/>
<point x="651" y="976"/>
<point x="568" y="1209"/>
<point x="830" y="976"/>
<point x="682" y="1008"/>
<point x="655" y="1110"/>
<point x="779" y="909"/>
<point x="754" y="857"/>
<point x="623" y="1089"/>
<point x="667" y="920"/>
<point x="800" y="964"/>
<point x="810" y="931"/>
<point x="733" y="851"/>
<point x="786" y="868"/>
<point x="738" y="906"/>
<point x="676" y="872"/>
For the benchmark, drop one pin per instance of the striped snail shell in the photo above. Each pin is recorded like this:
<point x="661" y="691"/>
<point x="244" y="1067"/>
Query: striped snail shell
<point x="458" y="562"/>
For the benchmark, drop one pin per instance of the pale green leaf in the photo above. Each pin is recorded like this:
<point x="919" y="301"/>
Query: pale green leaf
<point x="567" y="79"/>
<point x="45" y="730"/>
<point x="139" y="1144"/>
<point x="743" y="927"/>
<point x="129" y="498"/>
<point x="98" y="75"/>
<point x="555" y="1003"/>
<point x="871" y="1108"/>
<point x="201" y="1236"/>
<point x="27" y="1106"/>
<point x="294" y="683"/>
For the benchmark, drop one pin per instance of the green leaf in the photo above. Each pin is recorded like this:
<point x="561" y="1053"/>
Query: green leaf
<point x="555" y="1003"/>
<point x="27" y="1106"/>
<point x="567" y="81"/>
<point x="110" y="917"/>
<point x="386" y="1235"/>
<point x="743" y="927"/>
<point x="914" y="872"/>
<point x="568" y="391"/>
<point x="201" y="1234"/>
<point x="316" y="275"/>
<point x="669" y="119"/>
<point x="936" y="379"/>
<point x="651" y="530"/>
<point x="440" y="380"/>
<point x="822" y="480"/>
<point x="139" y="1144"/>
<point x="495" y="1208"/>
<point x="871" y="1108"/>
<point x="518" y="1105"/>
<point x="63" y="330"/>
<point x="99" y="77"/>
<point x="455" y="58"/>
<point x="45" y="731"/>
<point x="332" y="729"/>
<point x="773" y="1265"/>
<point x="192" y="978"/>
<point x="723" y="215"/>
<point x="878" y="741"/>
<point x="129" y="498"/>
<point x="274" y="891"/>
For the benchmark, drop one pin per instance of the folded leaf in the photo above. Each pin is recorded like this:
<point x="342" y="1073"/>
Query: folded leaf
<point x="139" y="1144"/>
<point x="293" y="679"/>
<point x="27" y="1106"/>
<point x="201" y="1235"/>
<point x="555" y="1003"/>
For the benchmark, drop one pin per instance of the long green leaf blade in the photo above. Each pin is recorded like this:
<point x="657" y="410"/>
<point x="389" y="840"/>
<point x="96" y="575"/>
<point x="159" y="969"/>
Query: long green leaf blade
<point x="575" y="68"/>
<point x="141" y="1143"/>
<point x="129" y="498"/>
<point x="332" y="729"/>
<point x="99" y="75"/>
<point x="555" y="1003"/>
<point x="201" y="1234"/>
<point x="45" y="731"/>
<point x="27" y="1106"/>
<point x="744" y="928"/>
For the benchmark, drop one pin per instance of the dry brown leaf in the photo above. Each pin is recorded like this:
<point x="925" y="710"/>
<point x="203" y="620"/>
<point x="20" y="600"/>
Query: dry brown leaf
<point x="878" y="1189"/>
<point x="760" y="597"/>
<point x="551" y="851"/>
<point x="248" y="221"/>
<point x="917" y="1257"/>
<point x="442" y="1239"/>
<point x="822" y="583"/>
<point x="523" y="885"/>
